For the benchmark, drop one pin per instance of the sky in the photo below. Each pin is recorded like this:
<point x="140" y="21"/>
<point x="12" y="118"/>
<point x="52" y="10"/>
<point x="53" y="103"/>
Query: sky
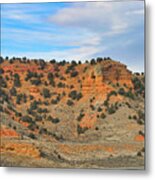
<point x="75" y="31"/>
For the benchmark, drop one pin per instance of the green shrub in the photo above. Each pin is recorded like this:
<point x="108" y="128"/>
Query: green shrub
<point x="134" y="117"/>
<point x="111" y="109"/>
<point x="1" y="71"/>
<point x="74" y="63"/>
<point x="40" y="110"/>
<point x="99" y="109"/>
<point x="31" y="74"/>
<point x="5" y="97"/>
<point x="112" y="93"/>
<point x="27" y="119"/>
<point x="34" y="105"/>
<point x="129" y="106"/>
<point x="62" y="63"/>
<point x="55" y="120"/>
<point x="106" y="103"/>
<point x="32" y="126"/>
<point x="43" y="131"/>
<point x="81" y="115"/>
<point x="96" y="128"/>
<point x="75" y="95"/>
<point x="3" y="83"/>
<point x="54" y="101"/>
<point x="1" y="60"/>
<point x="10" y="107"/>
<point x="24" y="98"/>
<point x="121" y="91"/>
<point x="53" y="61"/>
<point x="138" y="85"/>
<point x="70" y="68"/>
<point x="139" y="121"/>
<point x="46" y="93"/>
<point x="70" y="103"/>
<point x="81" y="130"/>
<point x="92" y="107"/>
<point x="31" y="97"/>
<point x="32" y="136"/>
<point x="17" y="82"/>
<point x="103" y="116"/>
<point x="74" y="74"/>
<point x="49" y="118"/>
<point x="50" y="76"/>
<point x="13" y="91"/>
<point x="79" y="96"/>
<point x="72" y="86"/>
<point x="1" y="108"/>
<point x="19" y="98"/>
<point x="36" y="82"/>
<point x="38" y="118"/>
<point x="7" y="78"/>
<point x="18" y="114"/>
<point x="61" y="85"/>
<point x="141" y="115"/>
<point x="129" y="94"/>
<point x="92" y="62"/>
<point x="99" y="59"/>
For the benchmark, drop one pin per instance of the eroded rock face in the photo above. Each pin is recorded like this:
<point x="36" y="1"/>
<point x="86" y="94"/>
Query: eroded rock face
<point x="89" y="127"/>
<point x="6" y="132"/>
<point x="106" y="71"/>
<point x="115" y="71"/>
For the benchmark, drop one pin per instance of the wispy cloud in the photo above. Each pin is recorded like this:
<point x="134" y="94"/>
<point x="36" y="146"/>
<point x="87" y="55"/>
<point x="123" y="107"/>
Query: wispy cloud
<point x="20" y="14"/>
<point x="98" y="16"/>
<point x="80" y="30"/>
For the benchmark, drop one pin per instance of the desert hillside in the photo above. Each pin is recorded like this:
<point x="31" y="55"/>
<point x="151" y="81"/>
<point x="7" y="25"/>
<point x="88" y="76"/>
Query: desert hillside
<point x="61" y="114"/>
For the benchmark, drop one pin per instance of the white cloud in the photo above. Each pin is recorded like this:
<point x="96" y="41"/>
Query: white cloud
<point x="135" y="12"/>
<point x="77" y="31"/>
<point x="99" y="17"/>
<point x="24" y="36"/>
<point x="20" y="12"/>
<point x="84" y="15"/>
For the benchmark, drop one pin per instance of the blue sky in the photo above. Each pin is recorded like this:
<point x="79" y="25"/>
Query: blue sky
<point x="79" y="31"/>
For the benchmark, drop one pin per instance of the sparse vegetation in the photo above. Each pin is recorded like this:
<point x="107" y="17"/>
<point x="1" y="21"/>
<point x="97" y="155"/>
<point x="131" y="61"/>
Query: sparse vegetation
<point x="27" y="119"/>
<point x="75" y="95"/>
<point x="103" y="116"/>
<point x="111" y="109"/>
<point x="32" y="136"/>
<point x="81" y="115"/>
<point x="51" y="79"/>
<point x="138" y="86"/>
<point x="36" y="82"/>
<point x="17" y="82"/>
<point x="53" y="120"/>
<point x="46" y="93"/>
<point x="74" y="74"/>
<point x="99" y="109"/>
<point x="63" y="102"/>
<point x="3" y="82"/>
<point x="61" y="85"/>
<point x="81" y="130"/>
<point x="13" y="91"/>
<point x="70" y="103"/>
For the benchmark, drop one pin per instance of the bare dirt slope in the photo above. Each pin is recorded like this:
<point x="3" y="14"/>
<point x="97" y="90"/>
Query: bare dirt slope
<point x="82" y="115"/>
